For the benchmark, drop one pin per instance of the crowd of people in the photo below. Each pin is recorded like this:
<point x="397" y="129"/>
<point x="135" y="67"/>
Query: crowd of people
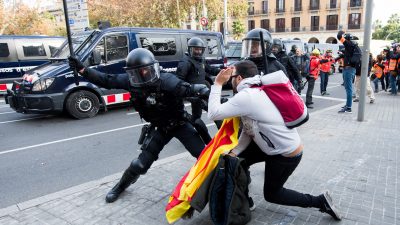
<point x="264" y="137"/>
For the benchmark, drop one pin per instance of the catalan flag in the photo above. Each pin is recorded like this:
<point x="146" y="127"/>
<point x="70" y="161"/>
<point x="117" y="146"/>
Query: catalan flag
<point x="225" y="140"/>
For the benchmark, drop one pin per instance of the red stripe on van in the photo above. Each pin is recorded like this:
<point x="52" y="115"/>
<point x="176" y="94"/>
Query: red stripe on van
<point x="3" y="87"/>
<point x="111" y="99"/>
<point x="126" y="96"/>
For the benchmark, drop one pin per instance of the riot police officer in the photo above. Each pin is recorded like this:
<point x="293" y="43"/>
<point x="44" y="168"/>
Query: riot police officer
<point x="158" y="98"/>
<point x="194" y="69"/>
<point x="251" y="50"/>
<point x="293" y="73"/>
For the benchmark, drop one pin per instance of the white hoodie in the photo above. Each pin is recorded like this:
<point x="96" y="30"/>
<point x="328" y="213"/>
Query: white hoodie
<point x="262" y="122"/>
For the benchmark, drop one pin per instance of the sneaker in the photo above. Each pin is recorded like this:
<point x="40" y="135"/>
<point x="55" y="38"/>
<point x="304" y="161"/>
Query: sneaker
<point x="356" y="100"/>
<point x="309" y="106"/>
<point x="252" y="206"/>
<point x="372" y="101"/>
<point x="326" y="93"/>
<point x="329" y="207"/>
<point x="323" y="93"/>
<point x="345" y="110"/>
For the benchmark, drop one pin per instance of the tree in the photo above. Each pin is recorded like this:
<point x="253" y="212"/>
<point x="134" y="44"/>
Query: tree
<point x="391" y="31"/>
<point x="22" y="20"/>
<point x="238" y="29"/>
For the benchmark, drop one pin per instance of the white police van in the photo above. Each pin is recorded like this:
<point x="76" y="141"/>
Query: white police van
<point x="21" y="53"/>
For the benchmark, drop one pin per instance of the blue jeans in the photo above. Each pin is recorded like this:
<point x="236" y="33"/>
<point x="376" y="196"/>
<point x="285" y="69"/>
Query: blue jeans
<point x="324" y="81"/>
<point x="348" y="75"/>
<point x="393" y="84"/>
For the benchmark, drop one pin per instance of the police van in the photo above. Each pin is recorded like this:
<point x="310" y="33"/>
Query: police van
<point x="21" y="53"/>
<point x="51" y="88"/>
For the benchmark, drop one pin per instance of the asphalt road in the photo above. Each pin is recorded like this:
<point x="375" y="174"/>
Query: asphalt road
<point x="42" y="154"/>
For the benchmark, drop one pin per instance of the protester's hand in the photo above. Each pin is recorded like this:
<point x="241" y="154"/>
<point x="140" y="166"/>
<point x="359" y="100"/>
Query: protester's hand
<point x="75" y="63"/>
<point x="223" y="76"/>
<point x="200" y="90"/>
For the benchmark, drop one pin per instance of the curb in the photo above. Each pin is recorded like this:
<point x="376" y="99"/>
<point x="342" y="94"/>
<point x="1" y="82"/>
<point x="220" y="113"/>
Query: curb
<point x="79" y="188"/>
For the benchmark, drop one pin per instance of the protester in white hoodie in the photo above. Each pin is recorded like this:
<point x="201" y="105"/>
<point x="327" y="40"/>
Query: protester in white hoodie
<point x="264" y="137"/>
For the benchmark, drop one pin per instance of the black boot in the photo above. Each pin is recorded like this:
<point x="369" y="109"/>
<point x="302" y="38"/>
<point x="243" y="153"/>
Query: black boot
<point x="126" y="180"/>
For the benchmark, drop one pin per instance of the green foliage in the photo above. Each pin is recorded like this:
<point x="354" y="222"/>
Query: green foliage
<point x="238" y="29"/>
<point x="391" y="31"/>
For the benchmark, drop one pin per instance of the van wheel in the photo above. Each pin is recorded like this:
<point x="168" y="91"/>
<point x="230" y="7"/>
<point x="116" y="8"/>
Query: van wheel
<point x="83" y="104"/>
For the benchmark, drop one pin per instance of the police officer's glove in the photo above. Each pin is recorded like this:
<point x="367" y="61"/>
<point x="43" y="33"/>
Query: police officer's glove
<point x="75" y="64"/>
<point x="200" y="90"/>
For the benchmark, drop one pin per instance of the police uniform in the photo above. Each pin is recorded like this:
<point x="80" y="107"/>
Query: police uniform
<point x="159" y="102"/>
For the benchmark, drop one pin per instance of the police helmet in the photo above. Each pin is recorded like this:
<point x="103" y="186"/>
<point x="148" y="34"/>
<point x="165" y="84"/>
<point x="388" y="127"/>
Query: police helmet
<point x="141" y="66"/>
<point x="276" y="44"/>
<point x="251" y="46"/>
<point x="196" y="48"/>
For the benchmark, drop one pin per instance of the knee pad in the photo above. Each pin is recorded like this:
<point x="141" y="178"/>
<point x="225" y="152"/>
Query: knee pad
<point x="137" y="167"/>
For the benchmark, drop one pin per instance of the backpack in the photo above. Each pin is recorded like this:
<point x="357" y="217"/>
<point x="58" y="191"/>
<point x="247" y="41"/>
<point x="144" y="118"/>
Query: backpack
<point x="286" y="99"/>
<point x="356" y="57"/>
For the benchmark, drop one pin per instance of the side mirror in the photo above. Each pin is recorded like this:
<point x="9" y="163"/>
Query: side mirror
<point x="95" y="58"/>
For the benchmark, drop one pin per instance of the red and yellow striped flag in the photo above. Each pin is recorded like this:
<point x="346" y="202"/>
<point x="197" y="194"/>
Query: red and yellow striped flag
<point x="225" y="140"/>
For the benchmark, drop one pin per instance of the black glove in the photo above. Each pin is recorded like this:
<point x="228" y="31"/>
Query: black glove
<point x="340" y="35"/>
<point x="200" y="90"/>
<point x="75" y="63"/>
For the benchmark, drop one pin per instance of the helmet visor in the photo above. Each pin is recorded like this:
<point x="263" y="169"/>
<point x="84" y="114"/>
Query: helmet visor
<point x="197" y="52"/>
<point x="143" y="75"/>
<point x="251" y="48"/>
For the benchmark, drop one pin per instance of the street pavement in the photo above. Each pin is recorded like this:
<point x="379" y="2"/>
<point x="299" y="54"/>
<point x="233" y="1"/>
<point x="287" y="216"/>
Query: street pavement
<point x="356" y="161"/>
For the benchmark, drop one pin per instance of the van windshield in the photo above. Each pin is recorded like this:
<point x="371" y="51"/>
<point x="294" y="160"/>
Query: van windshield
<point x="80" y="42"/>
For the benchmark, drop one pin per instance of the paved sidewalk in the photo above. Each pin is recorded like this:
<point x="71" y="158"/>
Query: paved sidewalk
<point x="356" y="161"/>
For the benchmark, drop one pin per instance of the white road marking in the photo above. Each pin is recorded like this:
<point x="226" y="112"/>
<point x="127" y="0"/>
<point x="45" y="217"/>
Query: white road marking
<point x="7" y="112"/>
<point x="32" y="118"/>
<point x="327" y="98"/>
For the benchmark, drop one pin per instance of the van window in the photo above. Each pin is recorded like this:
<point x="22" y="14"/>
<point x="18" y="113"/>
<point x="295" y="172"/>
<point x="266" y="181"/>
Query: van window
<point x="159" y="46"/>
<point x="33" y="49"/>
<point x="116" y="47"/>
<point x="4" y="51"/>
<point x="212" y="46"/>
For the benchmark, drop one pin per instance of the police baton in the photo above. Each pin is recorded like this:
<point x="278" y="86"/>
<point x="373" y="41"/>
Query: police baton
<point x="71" y="49"/>
<point x="264" y="55"/>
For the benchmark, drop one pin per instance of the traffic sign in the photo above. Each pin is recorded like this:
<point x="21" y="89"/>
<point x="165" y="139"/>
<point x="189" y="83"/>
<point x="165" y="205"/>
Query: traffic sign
<point x="203" y="21"/>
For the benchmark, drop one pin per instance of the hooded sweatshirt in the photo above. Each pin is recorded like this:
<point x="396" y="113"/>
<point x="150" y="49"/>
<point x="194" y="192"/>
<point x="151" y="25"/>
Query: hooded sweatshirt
<point x="262" y="121"/>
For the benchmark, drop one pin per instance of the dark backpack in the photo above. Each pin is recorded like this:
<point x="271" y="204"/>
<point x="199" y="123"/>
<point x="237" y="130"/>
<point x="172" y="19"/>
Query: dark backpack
<point x="356" y="57"/>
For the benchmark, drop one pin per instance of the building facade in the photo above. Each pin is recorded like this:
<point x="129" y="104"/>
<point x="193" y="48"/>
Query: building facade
<point x="313" y="21"/>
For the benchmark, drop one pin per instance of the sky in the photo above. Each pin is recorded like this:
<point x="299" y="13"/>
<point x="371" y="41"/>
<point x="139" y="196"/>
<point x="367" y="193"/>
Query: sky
<point x="383" y="9"/>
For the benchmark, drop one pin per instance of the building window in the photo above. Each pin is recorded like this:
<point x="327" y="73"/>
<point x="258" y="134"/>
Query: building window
<point x="355" y="3"/>
<point x="251" y="25"/>
<point x="297" y="5"/>
<point x="280" y="25"/>
<point x="264" y="5"/>
<point x="314" y="4"/>
<point x="265" y="24"/>
<point x="251" y="8"/>
<point x="332" y="22"/>
<point x="280" y="6"/>
<point x="333" y="4"/>
<point x="295" y="24"/>
<point x="221" y="27"/>
<point x="354" y="20"/>
<point x="314" y="23"/>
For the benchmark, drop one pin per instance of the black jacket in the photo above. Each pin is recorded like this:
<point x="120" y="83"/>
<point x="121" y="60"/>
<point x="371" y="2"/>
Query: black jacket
<point x="225" y="189"/>
<point x="168" y="93"/>
<point x="349" y="51"/>
<point x="291" y="68"/>
<point x="194" y="71"/>
<point x="273" y="64"/>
